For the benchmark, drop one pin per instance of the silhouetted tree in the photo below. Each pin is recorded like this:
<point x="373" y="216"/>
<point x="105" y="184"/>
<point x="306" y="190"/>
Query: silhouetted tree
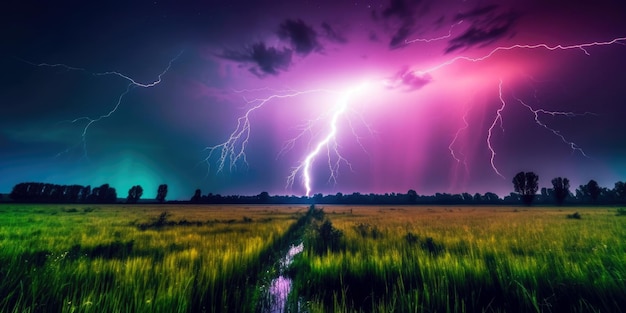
<point x="197" y="196"/>
<point x="594" y="189"/>
<point x="560" y="189"/>
<point x="161" y="193"/>
<point x="491" y="197"/>
<point x="412" y="195"/>
<point x="134" y="193"/>
<point x="73" y="193"/>
<point x="526" y="184"/>
<point x="620" y="191"/>
<point x="104" y="194"/>
<point x="264" y="197"/>
<point x="85" y="193"/>
<point x="590" y="191"/>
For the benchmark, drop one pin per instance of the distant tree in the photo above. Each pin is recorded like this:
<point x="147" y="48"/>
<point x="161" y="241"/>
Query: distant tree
<point x="104" y="194"/>
<point x="560" y="189"/>
<point x="594" y="190"/>
<point x="73" y="193"/>
<point x="197" y="196"/>
<point x="491" y="197"/>
<point x="264" y="197"/>
<point x="412" y="195"/>
<point x="134" y="193"/>
<point x="526" y="185"/>
<point x="161" y="193"/>
<point x="590" y="191"/>
<point x="620" y="191"/>
<point x="19" y="192"/>
<point x="85" y="193"/>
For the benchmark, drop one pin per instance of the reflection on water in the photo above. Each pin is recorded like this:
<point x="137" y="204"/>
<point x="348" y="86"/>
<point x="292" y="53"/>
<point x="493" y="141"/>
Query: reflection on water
<point x="280" y="287"/>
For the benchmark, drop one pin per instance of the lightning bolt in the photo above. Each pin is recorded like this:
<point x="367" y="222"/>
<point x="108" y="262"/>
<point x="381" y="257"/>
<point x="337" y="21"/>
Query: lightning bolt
<point x="232" y="151"/>
<point x="436" y="38"/>
<point x="330" y="139"/>
<point x="497" y="119"/>
<point x="132" y="83"/>
<point x="456" y="137"/>
<point x="537" y="112"/>
<point x="583" y="47"/>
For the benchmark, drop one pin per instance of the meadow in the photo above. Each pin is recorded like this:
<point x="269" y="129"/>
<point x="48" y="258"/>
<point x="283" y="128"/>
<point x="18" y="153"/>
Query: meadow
<point x="117" y="258"/>
<point x="201" y="258"/>
<point x="463" y="259"/>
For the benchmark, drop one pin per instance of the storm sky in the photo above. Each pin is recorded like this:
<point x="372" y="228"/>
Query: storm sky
<point x="134" y="92"/>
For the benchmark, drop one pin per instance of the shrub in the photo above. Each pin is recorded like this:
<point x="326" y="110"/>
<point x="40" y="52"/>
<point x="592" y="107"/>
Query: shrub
<point x="427" y="244"/>
<point x="621" y="212"/>
<point x="324" y="237"/>
<point x="575" y="215"/>
<point x="367" y="230"/>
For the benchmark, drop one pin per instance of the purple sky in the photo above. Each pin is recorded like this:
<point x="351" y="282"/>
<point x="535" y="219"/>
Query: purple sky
<point x="435" y="77"/>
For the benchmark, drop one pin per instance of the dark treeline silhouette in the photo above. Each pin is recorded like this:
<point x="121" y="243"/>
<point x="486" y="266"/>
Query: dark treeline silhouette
<point x="52" y="193"/>
<point x="525" y="185"/>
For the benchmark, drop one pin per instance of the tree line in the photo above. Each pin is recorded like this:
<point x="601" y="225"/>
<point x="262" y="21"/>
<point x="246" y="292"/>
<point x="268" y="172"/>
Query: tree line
<point x="525" y="186"/>
<point x="35" y="192"/>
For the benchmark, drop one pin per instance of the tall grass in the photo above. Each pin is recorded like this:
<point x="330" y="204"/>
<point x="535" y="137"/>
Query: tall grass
<point x="100" y="259"/>
<point x="418" y="259"/>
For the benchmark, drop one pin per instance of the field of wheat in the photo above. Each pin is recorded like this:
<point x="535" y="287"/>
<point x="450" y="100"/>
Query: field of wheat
<point x="116" y="258"/>
<point x="464" y="259"/>
<point x="166" y="258"/>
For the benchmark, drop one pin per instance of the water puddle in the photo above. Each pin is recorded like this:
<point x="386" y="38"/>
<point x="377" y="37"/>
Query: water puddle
<point x="280" y="287"/>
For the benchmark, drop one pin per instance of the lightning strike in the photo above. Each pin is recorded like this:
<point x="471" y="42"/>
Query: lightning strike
<point x="436" y="38"/>
<point x="536" y="113"/>
<point x="456" y="137"/>
<point x="497" y="119"/>
<point x="232" y="151"/>
<point x="330" y="138"/>
<point x="583" y="47"/>
<point x="90" y="121"/>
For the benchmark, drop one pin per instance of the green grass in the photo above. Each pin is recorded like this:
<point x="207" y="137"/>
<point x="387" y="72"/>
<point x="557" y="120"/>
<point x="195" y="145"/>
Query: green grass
<point x="467" y="259"/>
<point x="101" y="259"/>
<point x="118" y="258"/>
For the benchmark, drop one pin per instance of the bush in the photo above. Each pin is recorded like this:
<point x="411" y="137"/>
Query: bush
<point x="367" y="230"/>
<point x="427" y="244"/>
<point x="324" y="238"/>
<point x="575" y="215"/>
<point x="621" y="212"/>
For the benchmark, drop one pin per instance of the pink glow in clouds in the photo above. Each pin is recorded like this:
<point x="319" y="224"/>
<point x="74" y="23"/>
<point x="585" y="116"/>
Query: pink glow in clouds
<point x="461" y="95"/>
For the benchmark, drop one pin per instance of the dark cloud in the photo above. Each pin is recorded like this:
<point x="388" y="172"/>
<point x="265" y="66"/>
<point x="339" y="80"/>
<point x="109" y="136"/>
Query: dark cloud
<point x="398" y="8"/>
<point x="486" y="28"/>
<point x="266" y="60"/>
<point x="477" y="12"/>
<point x="332" y="34"/>
<point x="270" y="60"/>
<point x="408" y="80"/>
<point x="401" y="15"/>
<point x="302" y="37"/>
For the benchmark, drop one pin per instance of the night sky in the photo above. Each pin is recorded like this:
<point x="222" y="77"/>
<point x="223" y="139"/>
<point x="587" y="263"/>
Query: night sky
<point x="137" y="92"/>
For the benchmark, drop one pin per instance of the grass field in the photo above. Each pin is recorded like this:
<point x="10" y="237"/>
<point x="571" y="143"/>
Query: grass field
<point x="135" y="259"/>
<point x="466" y="259"/>
<point x="119" y="258"/>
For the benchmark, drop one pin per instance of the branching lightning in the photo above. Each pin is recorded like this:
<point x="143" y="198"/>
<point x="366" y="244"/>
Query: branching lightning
<point x="436" y="38"/>
<point x="132" y="84"/>
<point x="232" y="151"/>
<point x="497" y="119"/>
<point x="537" y="112"/>
<point x="330" y="140"/>
<point x="454" y="140"/>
